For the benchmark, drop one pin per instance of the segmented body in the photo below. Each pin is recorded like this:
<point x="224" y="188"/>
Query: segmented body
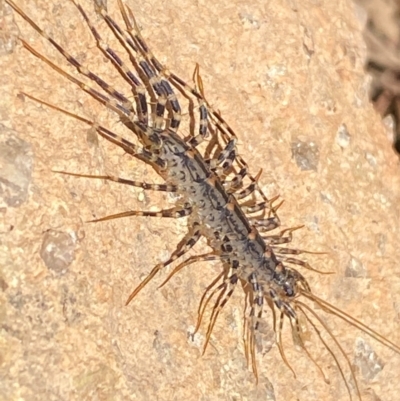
<point x="212" y="200"/>
<point x="216" y="211"/>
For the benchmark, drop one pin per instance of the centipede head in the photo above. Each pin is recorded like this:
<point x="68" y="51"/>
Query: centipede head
<point x="285" y="287"/>
<point x="289" y="292"/>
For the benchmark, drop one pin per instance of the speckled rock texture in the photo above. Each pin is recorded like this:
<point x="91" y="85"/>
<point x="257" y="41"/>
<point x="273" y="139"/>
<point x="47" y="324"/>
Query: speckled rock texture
<point x="288" y="76"/>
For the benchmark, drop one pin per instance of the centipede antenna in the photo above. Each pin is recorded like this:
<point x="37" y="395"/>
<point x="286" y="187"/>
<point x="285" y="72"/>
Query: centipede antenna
<point x="301" y="305"/>
<point x="303" y="346"/>
<point x="352" y="321"/>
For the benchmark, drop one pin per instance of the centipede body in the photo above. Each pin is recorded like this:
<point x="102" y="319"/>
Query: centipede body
<point x="75" y="151"/>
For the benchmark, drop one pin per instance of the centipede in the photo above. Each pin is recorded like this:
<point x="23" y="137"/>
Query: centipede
<point x="195" y="152"/>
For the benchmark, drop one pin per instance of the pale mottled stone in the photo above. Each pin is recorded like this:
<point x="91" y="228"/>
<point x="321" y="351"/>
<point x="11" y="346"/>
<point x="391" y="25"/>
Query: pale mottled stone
<point x="278" y="71"/>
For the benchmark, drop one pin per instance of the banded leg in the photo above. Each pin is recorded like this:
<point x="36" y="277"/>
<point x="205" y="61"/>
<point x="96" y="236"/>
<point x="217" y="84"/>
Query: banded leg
<point x="181" y="249"/>
<point x="122" y="110"/>
<point x="255" y="316"/>
<point x="207" y="257"/>
<point x="267" y="224"/>
<point x="151" y="80"/>
<point x="130" y="148"/>
<point x="262" y="207"/>
<point x="298" y="262"/>
<point x="280" y="343"/>
<point x="138" y="90"/>
<point x="126" y="116"/>
<point x="203" y="120"/>
<point x="205" y="300"/>
<point x="226" y="289"/>
<point x="178" y="83"/>
<point x="118" y="103"/>
<point x="231" y="185"/>
<point x="160" y="85"/>
<point x="144" y="185"/>
<point x="140" y="43"/>
<point x="281" y="238"/>
<point x="291" y="251"/>
<point x="175" y="213"/>
<point x="224" y="159"/>
<point x="223" y="127"/>
<point x="256" y="208"/>
<point x="73" y="61"/>
<point x="236" y="183"/>
<point x="227" y="133"/>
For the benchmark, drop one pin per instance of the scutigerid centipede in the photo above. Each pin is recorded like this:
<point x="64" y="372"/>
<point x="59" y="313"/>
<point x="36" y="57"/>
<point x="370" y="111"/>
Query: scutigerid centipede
<point x="301" y="350"/>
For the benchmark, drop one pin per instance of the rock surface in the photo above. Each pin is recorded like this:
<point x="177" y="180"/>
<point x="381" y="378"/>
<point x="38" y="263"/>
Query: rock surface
<point x="282" y="73"/>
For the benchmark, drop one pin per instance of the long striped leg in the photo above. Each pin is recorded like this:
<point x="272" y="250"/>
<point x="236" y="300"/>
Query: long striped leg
<point x="225" y="158"/>
<point x="205" y="300"/>
<point x="236" y="183"/>
<point x="223" y="127"/>
<point x="220" y="160"/>
<point x="226" y="132"/>
<point x="73" y="61"/>
<point x="298" y="262"/>
<point x="221" y="301"/>
<point x="140" y="44"/>
<point x="138" y="89"/>
<point x="185" y="245"/>
<point x="203" y="120"/>
<point x="280" y="343"/>
<point x="174" y="213"/>
<point x="226" y="289"/>
<point x="160" y="85"/>
<point x="263" y="223"/>
<point x="199" y="94"/>
<point x="232" y="277"/>
<point x="281" y="238"/>
<point x="207" y="257"/>
<point x="122" y="110"/>
<point x="267" y="224"/>
<point x="262" y="207"/>
<point x="255" y="316"/>
<point x="127" y="146"/>
<point x="144" y="185"/>
<point x="291" y="251"/>
<point x="255" y="208"/>
<point x="118" y="103"/>
<point x="125" y="114"/>
<point x="194" y="139"/>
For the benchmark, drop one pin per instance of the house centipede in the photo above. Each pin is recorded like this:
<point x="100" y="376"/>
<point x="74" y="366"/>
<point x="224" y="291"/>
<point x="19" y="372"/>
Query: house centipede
<point x="283" y="281"/>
